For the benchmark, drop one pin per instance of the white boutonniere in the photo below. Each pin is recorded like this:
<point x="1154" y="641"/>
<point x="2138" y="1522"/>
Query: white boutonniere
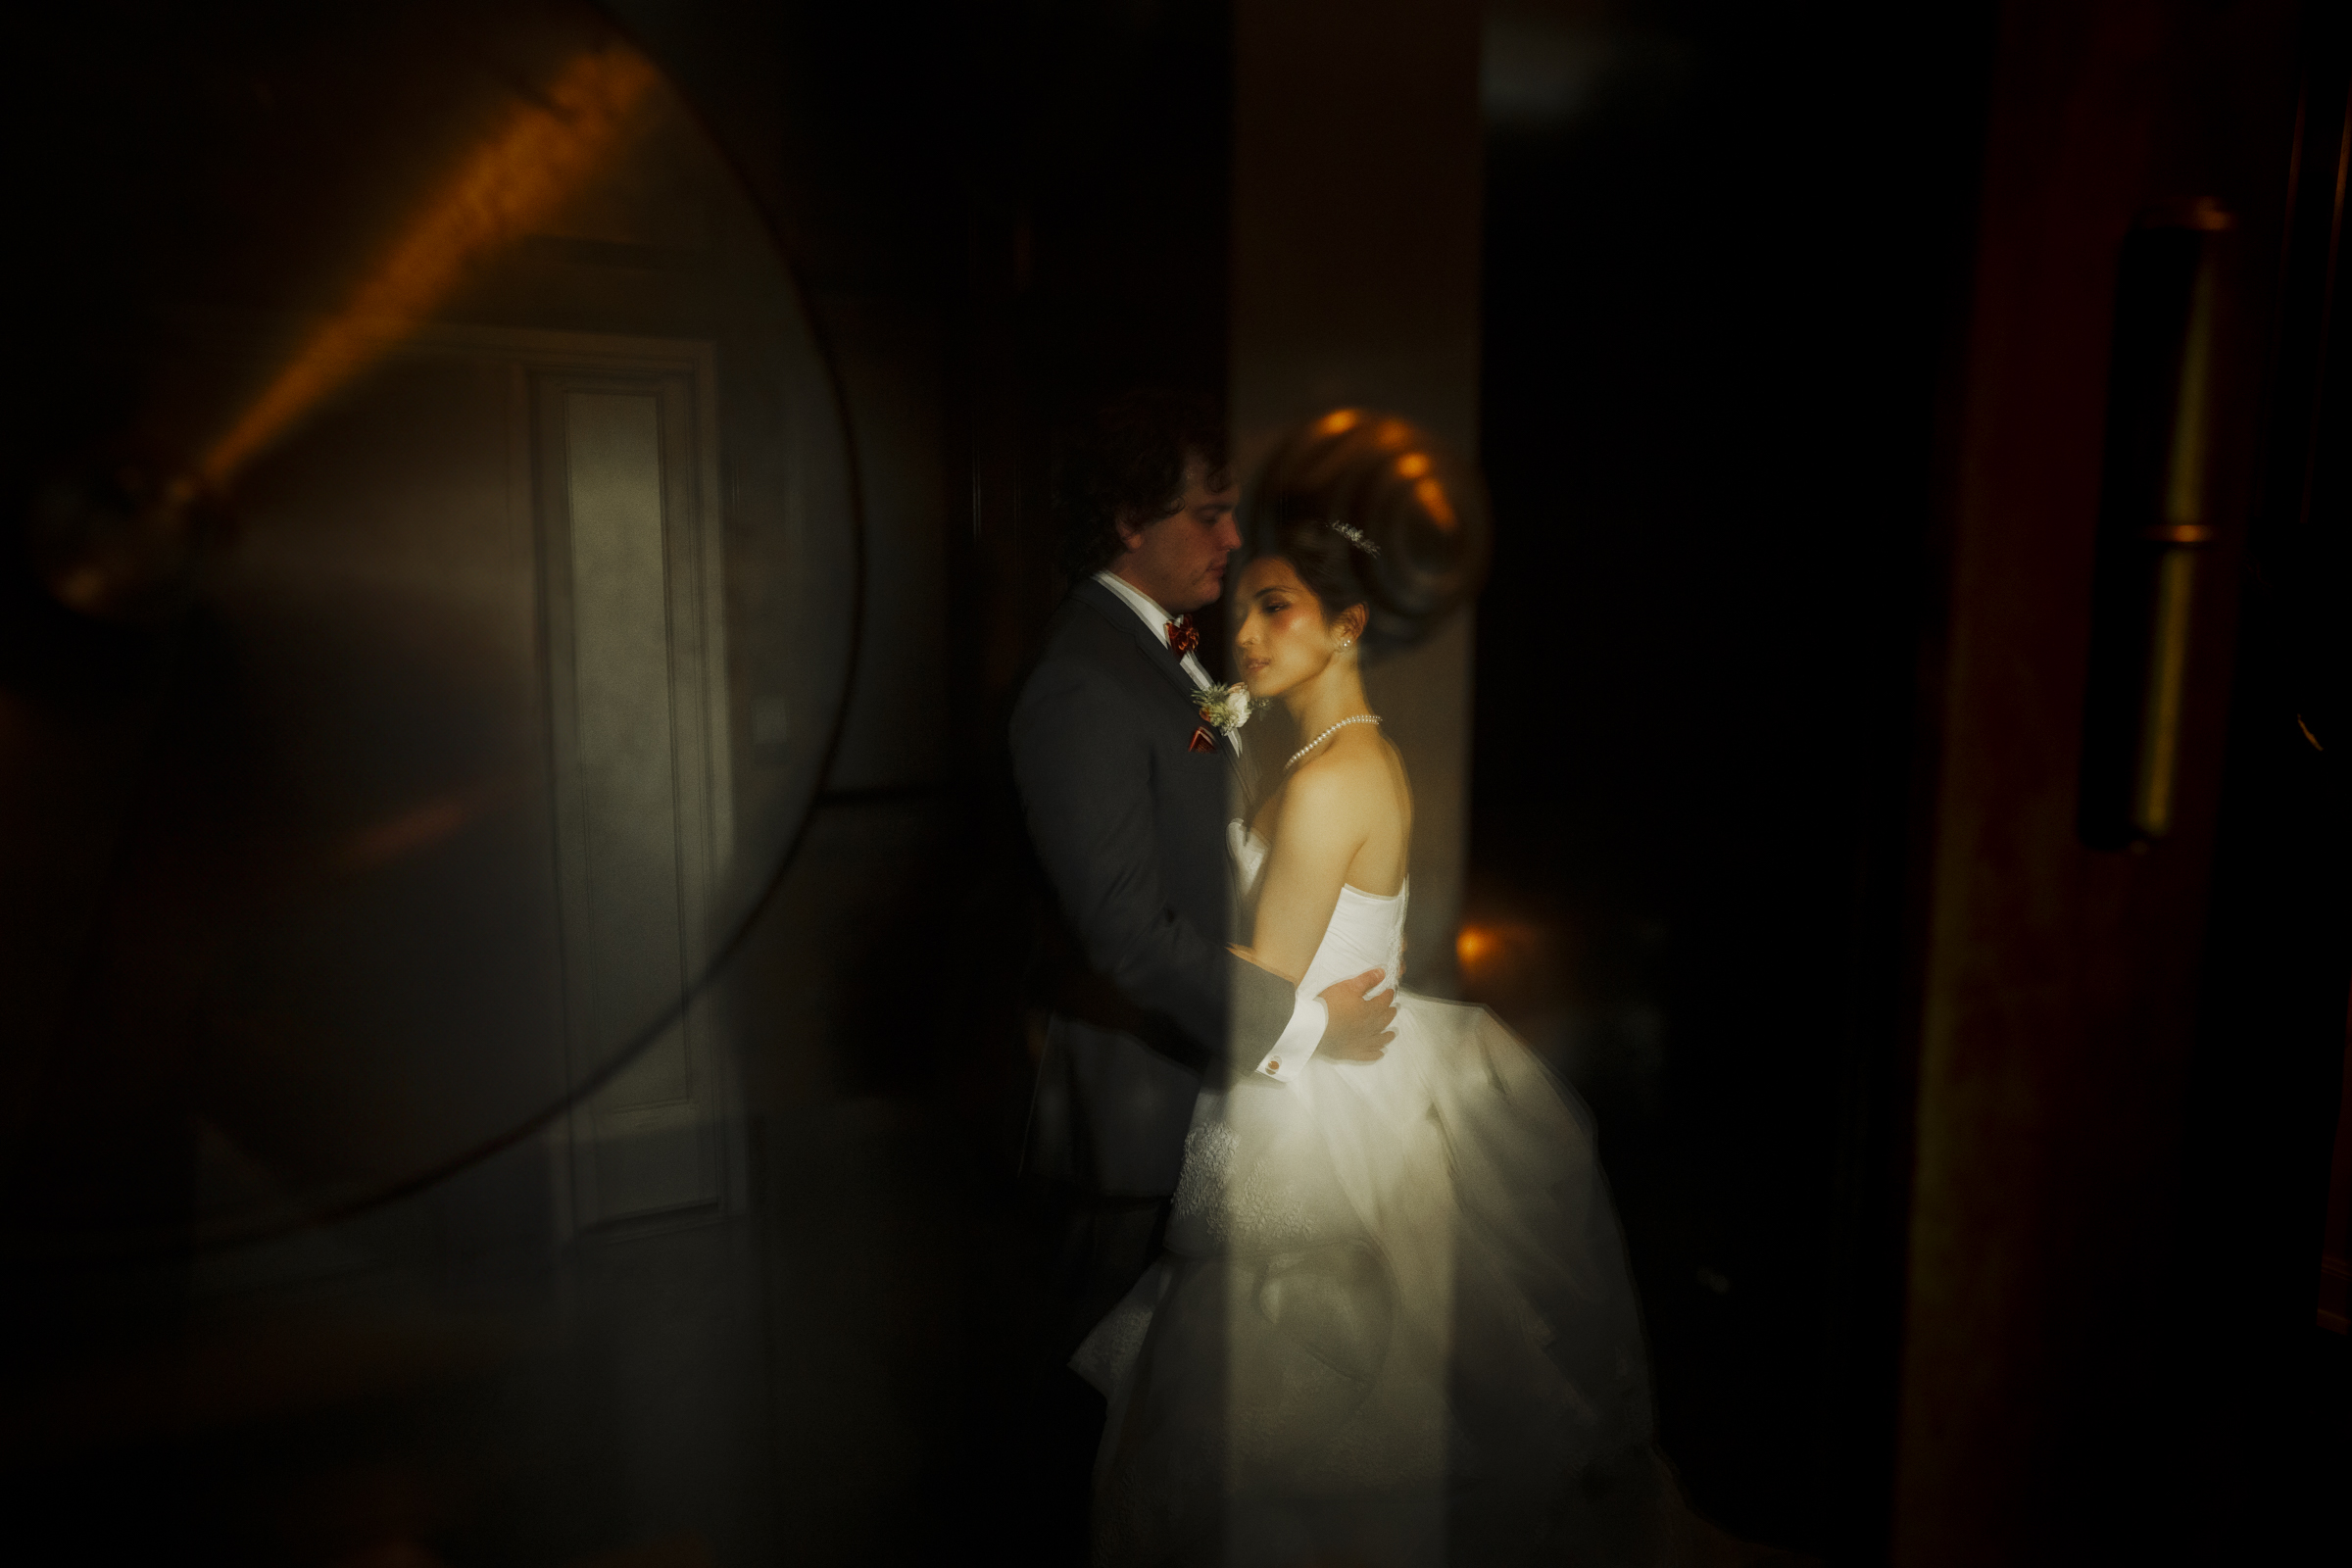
<point x="1225" y="706"/>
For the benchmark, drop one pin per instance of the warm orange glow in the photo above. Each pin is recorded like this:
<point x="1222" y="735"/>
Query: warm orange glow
<point x="1473" y="944"/>
<point x="1338" y="422"/>
<point x="1413" y="465"/>
<point x="412" y="830"/>
<point x="423" y="826"/>
<point x="513" y="181"/>
<point x="1434" y="502"/>
<point x="1393" y="434"/>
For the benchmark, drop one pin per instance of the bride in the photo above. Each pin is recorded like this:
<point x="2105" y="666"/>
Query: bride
<point x="1394" y="1323"/>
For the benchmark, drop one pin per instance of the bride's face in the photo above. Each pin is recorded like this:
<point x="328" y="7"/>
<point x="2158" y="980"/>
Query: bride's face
<point x="1284" y="638"/>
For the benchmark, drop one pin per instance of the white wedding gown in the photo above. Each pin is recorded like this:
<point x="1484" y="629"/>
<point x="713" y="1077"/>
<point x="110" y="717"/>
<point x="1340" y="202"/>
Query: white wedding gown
<point x="1394" y="1323"/>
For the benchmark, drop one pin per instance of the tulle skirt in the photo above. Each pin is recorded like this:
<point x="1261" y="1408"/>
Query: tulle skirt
<point x="1394" y="1325"/>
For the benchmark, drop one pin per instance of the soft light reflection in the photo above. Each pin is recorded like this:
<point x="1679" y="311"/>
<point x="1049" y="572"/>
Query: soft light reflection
<point x="1498" y="955"/>
<point x="513" y="182"/>
<point x="1473" y="946"/>
<point x="420" y="826"/>
<point x="1338" y="422"/>
<point x="1433" y="501"/>
<point x="1413" y="465"/>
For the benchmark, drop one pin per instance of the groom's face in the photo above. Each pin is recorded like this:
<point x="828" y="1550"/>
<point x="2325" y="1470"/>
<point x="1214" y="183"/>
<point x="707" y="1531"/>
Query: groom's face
<point x="1179" y="560"/>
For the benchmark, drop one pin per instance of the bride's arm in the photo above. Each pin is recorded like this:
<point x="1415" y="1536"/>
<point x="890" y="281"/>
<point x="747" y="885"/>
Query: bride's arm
<point x="1317" y="833"/>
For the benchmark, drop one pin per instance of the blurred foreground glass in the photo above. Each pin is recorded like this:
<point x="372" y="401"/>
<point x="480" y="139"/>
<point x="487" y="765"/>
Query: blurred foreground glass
<point x="434" y="612"/>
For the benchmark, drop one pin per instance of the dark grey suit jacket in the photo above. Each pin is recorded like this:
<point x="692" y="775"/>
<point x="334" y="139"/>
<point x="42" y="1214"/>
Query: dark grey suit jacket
<point x="1129" y="823"/>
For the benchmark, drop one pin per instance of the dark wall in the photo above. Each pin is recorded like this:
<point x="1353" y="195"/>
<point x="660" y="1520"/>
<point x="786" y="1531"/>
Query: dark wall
<point x="2266" y="1077"/>
<point x="2063" y="1252"/>
<point x="1725" y="263"/>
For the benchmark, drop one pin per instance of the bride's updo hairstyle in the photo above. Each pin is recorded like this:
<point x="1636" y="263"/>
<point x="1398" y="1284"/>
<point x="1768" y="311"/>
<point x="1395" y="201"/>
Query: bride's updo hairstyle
<point x="1370" y="510"/>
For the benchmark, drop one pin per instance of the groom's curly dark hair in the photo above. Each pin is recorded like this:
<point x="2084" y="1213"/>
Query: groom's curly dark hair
<point x="1125" y="463"/>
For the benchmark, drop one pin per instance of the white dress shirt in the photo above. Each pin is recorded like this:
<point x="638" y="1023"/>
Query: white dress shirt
<point x="1309" y="1017"/>
<point x="1158" y="619"/>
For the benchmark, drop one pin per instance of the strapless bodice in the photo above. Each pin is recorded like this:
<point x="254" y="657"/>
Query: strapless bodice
<point x="1366" y="930"/>
<point x="1383" y="1278"/>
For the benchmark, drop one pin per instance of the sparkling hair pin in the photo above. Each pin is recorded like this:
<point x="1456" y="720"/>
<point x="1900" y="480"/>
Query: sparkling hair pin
<point x="1354" y="536"/>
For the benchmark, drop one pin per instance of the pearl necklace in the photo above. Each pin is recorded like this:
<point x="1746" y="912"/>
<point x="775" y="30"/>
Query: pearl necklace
<point x="1360" y="718"/>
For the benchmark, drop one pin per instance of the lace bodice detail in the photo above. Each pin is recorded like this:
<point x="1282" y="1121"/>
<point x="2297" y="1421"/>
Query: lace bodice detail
<point x="1366" y="930"/>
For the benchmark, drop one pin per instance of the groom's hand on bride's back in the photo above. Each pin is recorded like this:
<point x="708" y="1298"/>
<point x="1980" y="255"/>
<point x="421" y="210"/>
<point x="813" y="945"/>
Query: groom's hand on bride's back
<point x="1360" y="1027"/>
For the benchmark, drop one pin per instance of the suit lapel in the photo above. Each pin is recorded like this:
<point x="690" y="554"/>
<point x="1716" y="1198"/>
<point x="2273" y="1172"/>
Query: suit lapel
<point x="1159" y="656"/>
<point x="1155" y="653"/>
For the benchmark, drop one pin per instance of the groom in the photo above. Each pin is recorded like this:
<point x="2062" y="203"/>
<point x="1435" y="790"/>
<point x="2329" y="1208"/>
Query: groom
<point x="1127" y="790"/>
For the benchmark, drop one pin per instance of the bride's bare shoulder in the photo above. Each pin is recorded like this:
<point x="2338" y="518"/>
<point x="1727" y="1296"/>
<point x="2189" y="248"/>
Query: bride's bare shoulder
<point x="1354" y="775"/>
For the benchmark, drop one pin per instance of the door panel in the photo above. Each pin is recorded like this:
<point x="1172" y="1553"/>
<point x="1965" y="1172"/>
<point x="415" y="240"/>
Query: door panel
<point x="637" y="710"/>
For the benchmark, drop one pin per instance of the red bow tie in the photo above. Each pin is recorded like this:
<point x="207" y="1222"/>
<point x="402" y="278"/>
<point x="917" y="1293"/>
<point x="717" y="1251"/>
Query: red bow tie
<point x="1183" y="635"/>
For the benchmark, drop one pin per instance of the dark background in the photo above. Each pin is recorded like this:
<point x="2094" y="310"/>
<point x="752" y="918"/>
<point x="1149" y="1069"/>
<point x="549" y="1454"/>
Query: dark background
<point x="1718" y="297"/>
